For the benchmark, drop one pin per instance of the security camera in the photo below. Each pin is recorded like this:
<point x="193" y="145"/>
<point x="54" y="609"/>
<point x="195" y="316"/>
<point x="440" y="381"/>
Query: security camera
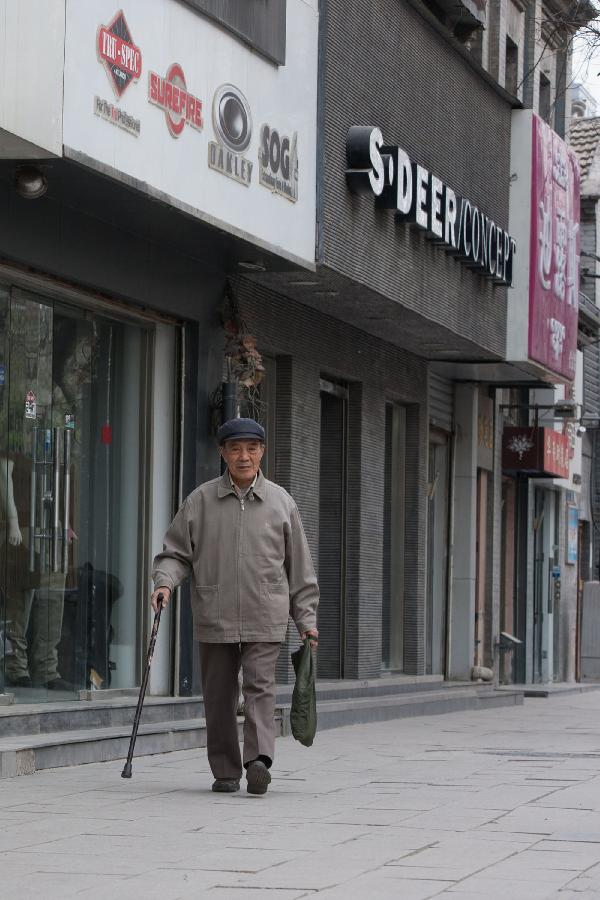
<point x="510" y="638"/>
<point x="508" y="641"/>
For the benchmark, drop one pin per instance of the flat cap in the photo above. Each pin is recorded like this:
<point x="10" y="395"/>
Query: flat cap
<point x="240" y="429"/>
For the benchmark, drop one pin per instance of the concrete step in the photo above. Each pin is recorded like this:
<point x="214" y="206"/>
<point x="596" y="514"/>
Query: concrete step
<point x="76" y="715"/>
<point x="169" y="724"/>
<point x="376" y="687"/>
<point x="357" y="711"/>
<point x="25" y="754"/>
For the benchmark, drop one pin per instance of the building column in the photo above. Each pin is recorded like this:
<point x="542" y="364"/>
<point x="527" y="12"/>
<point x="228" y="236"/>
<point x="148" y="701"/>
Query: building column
<point x="462" y="595"/>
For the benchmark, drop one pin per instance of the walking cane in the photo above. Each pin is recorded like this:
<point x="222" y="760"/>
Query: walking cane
<point x="126" y="773"/>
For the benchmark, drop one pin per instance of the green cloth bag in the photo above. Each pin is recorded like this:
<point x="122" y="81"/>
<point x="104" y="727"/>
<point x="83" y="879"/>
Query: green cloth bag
<point x="303" y="714"/>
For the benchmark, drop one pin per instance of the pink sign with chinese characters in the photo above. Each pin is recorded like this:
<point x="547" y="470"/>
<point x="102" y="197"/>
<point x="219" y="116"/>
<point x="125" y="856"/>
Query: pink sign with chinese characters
<point x="554" y="252"/>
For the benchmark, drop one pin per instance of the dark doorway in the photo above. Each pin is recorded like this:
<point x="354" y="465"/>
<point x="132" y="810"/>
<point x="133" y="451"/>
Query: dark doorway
<point x="332" y="528"/>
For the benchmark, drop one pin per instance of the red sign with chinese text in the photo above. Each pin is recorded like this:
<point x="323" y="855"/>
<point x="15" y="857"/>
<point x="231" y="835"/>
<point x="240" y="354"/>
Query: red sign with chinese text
<point x="557" y="453"/>
<point x="537" y="452"/>
<point x="554" y="251"/>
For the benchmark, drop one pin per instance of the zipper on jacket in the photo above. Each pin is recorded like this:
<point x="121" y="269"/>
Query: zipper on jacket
<point x="239" y="565"/>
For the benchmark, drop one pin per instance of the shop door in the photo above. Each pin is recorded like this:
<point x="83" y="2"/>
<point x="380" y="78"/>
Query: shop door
<point x="332" y="529"/>
<point x="71" y="486"/>
<point x="481" y="567"/>
<point x="507" y="575"/>
<point x="540" y="525"/>
<point x="437" y="553"/>
<point x="392" y="619"/>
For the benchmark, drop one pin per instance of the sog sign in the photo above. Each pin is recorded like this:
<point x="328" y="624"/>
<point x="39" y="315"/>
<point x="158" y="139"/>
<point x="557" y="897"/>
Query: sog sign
<point x="419" y="197"/>
<point x="278" y="163"/>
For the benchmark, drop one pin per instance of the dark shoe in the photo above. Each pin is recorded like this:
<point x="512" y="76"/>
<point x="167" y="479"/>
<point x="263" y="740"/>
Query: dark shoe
<point x="24" y="681"/>
<point x="226" y="785"/>
<point x="258" y="776"/>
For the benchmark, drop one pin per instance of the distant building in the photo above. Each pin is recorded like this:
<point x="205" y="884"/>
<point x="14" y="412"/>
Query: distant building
<point x="583" y="104"/>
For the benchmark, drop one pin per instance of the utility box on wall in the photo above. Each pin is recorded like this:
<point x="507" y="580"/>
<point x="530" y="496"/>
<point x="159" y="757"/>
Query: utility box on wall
<point x="590" y="632"/>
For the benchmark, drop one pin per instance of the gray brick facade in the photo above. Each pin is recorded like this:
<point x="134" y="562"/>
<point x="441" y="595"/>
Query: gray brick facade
<point x="401" y="75"/>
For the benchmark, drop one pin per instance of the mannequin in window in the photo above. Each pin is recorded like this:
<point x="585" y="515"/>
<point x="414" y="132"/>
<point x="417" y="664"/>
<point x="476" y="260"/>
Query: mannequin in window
<point x="35" y="599"/>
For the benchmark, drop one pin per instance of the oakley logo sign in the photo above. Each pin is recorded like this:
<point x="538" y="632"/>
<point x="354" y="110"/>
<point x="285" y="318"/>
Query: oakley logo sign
<point x="232" y="123"/>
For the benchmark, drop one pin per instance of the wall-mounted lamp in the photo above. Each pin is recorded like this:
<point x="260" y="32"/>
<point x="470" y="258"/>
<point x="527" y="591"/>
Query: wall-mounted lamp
<point x="30" y="182"/>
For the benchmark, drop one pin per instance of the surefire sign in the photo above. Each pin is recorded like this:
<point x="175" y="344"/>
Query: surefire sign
<point x="171" y="95"/>
<point x="554" y="251"/>
<point x="120" y="56"/>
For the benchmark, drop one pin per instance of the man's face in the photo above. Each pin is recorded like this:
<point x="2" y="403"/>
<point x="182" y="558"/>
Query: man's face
<point x="243" y="459"/>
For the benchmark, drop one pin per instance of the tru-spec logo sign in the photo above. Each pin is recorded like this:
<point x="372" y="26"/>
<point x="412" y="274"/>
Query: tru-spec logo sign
<point x="172" y="96"/>
<point x="120" y="56"/>
<point x="422" y="199"/>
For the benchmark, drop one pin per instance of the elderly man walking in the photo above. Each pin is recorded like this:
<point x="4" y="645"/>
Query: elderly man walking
<point x="241" y="539"/>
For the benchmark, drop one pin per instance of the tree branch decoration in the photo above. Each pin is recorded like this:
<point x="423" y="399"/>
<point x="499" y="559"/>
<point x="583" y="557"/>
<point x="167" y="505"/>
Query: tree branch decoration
<point x="243" y="364"/>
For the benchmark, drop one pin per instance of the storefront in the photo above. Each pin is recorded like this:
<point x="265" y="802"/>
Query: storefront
<point x="382" y="425"/>
<point x="542" y="457"/>
<point x="125" y="204"/>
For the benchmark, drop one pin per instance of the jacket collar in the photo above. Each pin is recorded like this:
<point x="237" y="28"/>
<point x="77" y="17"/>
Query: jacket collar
<point x="225" y="488"/>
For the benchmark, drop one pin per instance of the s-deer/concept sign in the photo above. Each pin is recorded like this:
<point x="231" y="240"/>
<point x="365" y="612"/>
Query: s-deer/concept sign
<point x="422" y="199"/>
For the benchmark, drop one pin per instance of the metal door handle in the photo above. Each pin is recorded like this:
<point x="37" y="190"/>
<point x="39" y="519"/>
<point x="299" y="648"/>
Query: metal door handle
<point x="66" y="501"/>
<point x="32" y="502"/>
<point x="55" y="496"/>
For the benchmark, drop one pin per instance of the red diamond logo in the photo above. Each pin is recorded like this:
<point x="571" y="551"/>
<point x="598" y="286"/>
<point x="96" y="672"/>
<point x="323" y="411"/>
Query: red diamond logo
<point x="118" y="54"/>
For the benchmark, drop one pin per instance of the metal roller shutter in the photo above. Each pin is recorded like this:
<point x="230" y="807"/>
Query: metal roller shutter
<point x="441" y="402"/>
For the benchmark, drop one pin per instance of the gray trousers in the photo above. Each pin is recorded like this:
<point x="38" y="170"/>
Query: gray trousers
<point x="220" y="664"/>
<point x="43" y="608"/>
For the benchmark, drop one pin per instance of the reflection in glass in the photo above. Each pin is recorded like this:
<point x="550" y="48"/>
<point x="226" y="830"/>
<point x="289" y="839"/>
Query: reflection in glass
<point x="71" y="479"/>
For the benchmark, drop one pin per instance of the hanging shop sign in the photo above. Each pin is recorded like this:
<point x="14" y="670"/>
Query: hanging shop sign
<point x="420" y="198"/>
<point x="554" y="251"/>
<point x="232" y="123"/>
<point x="278" y="163"/>
<point x="536" y="452"/>
<point x="172" y="96"/>
<point x="119" y="55"/>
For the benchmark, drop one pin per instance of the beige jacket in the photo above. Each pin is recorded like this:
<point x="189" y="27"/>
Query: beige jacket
<point x="250" y="562"/>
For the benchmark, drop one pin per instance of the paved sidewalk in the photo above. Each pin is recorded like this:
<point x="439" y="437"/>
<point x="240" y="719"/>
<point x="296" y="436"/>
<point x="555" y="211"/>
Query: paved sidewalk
<point x="502" y="803"/>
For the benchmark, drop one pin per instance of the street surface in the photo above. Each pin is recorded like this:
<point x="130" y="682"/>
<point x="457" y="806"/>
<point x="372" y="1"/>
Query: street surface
<point x="503" y="803"/>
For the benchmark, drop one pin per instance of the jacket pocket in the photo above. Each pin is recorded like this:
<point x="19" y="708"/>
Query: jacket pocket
<point x="275" y="603"/>
<point x="207" y="605"/>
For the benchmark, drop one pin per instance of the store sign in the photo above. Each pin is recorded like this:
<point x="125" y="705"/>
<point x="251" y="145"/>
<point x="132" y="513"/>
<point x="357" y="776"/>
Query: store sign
<point x="232" y="123"/>
<point x="422" y="199"/>
<point x="278" y="163"/>
<point x="112" y="113"/>
<point x="554" y="251"/>
<point x="184" y="125"/>
<point x="172" y="96"/>
<point x="30" y="405"/>
<point x="536" y="452"/>
<point x="119" y="55"/>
